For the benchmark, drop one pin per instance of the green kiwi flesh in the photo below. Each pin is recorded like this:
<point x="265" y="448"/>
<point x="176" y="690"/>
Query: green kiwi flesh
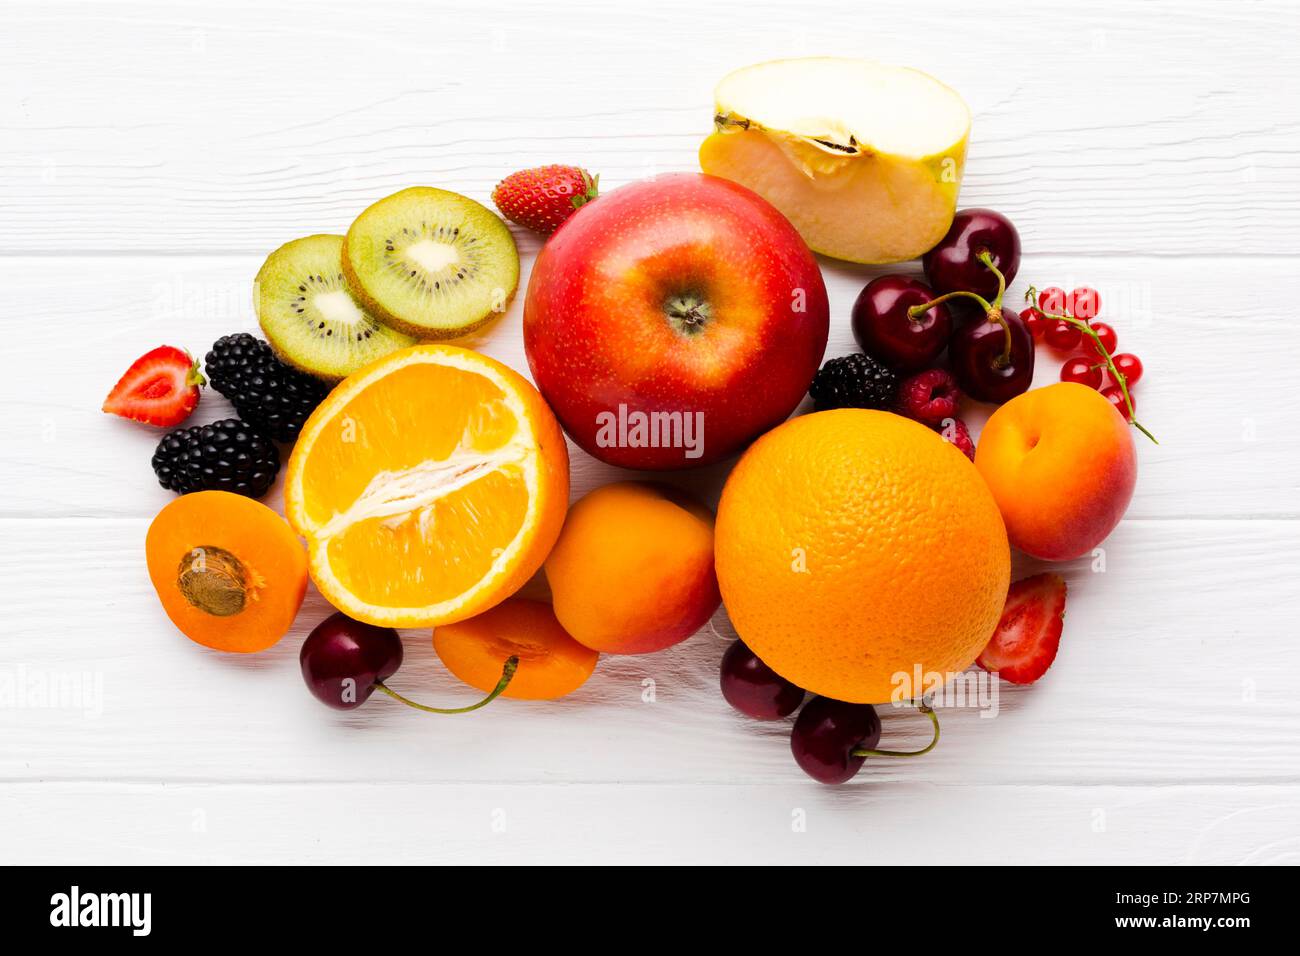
<point x="311" y="318"/>
<point x="431" y="263"/>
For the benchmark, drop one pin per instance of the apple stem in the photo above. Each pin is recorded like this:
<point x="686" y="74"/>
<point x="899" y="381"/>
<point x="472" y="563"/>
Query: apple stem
<point x="924" y="708"/>
<point x="688" y="313"/>
<point x="507" y="674"/>
<point x="1108" y="363"/>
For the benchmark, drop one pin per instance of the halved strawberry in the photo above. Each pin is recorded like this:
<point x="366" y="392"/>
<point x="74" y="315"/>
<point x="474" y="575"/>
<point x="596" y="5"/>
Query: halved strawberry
<point x="160" y="388"/>
<point x="1025" y="642"/>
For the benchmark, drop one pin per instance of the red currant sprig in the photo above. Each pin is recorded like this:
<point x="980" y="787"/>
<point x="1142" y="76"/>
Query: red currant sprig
<point x="1084" y="328"/>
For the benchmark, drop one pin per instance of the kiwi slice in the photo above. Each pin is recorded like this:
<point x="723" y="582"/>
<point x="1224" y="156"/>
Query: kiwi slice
<point x="310" y="318"/>
<point x="431" y="262"/>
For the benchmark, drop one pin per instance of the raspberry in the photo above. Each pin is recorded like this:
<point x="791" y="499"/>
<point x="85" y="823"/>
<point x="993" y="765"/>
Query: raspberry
<point x="955" y="432"/>
<point x="929" y="397"/>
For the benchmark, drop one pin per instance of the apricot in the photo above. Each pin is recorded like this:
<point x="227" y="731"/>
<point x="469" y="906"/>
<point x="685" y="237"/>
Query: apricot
<point x="229" y="571"/>
<point x="551" y="663"/>
<point x="632" y="571"/>
<point x="1061" y="465"/>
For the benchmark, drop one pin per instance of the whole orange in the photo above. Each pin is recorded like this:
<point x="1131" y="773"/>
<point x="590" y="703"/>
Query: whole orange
<point x="856" y="549"/>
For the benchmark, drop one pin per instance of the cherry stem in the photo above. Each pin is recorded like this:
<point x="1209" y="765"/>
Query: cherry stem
<point x="924" y="708"/>
<point x="1031" y="296"/>
<point x="992" y="310"/>
<point x="507" y="674"/>
<point x="916" y="310"/>
<point x="995" y="309"/>
<point x="986" y="257"/>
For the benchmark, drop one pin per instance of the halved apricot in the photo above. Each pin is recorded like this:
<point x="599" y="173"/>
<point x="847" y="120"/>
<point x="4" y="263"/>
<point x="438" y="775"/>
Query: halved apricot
<point x="229" y="571"/>
<point x="551" y="663"/>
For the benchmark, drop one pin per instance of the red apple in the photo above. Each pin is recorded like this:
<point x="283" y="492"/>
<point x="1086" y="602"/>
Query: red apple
<point x="674" y="320"/>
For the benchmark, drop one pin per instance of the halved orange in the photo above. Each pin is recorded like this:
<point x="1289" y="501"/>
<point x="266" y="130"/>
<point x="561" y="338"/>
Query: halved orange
<point x="430" y="486"/>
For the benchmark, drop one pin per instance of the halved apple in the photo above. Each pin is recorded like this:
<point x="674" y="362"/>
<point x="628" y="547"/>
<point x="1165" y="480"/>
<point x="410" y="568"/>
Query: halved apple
<point x="864" y="158"/>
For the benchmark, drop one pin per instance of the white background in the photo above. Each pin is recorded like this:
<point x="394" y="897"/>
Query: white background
<point x="151" y="155"/>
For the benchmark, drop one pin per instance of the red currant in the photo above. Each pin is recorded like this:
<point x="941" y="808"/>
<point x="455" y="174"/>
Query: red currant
<point x="1082" y="370"/>
<point x="1106" y="337"/>
<point x="1035" y="322"/>
<point x="1115" y="396"/>
<point x="1052" y="299"/>
<point x="1085" y="303"/>
<point x="1129" y="365"/>
<point x="1062" y="336"/>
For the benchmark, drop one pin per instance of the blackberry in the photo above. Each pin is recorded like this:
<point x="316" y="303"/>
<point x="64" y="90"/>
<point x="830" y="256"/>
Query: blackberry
<point x="272" y="397"/>
<point x="854" y="381"/>
<point x="225" y="456"/>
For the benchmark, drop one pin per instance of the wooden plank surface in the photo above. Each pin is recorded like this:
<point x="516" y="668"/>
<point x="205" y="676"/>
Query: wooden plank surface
<point x="1160" y="679"/>
<point x="1122" y="128"/>
<point x="889" y="825"/>
<point x="151" y="154"/>
<point x="1226" y="449"/>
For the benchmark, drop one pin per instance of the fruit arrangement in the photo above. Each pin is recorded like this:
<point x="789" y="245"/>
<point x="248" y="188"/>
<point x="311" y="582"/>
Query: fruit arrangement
<point x="857" y="548"/>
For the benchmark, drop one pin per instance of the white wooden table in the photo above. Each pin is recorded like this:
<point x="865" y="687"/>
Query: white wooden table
<point x="152" y="153"/>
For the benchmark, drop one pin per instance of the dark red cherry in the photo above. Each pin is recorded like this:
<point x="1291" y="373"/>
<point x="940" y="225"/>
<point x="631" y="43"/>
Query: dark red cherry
<point x="827" y="732"/>
<point x="343" y="659"/>
<point x="755" y="689"/>
<point x="883" y="327"/>
<point x="965" y="311"/>
<point x="976" y="356"/>
<point x="954" y="263"/>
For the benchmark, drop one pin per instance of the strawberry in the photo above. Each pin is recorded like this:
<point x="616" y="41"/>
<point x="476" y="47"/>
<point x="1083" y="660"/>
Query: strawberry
<point x="1025" y="642"/>
<point x="160" y="388"/>
<point x="542" y="198"/>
